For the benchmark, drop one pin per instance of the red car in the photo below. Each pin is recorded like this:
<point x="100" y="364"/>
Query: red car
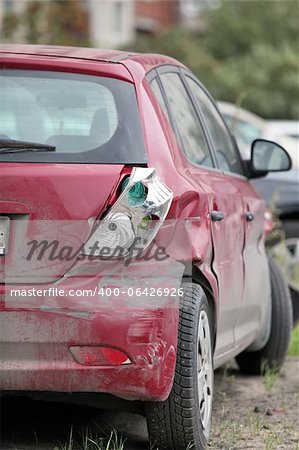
<point x="131" y="242"/>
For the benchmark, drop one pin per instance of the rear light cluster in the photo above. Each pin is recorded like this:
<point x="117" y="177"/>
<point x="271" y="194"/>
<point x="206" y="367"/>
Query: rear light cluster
<point x="136" y="216"/>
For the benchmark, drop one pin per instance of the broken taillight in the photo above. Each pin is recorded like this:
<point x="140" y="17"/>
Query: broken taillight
<point x="136" y="216"/>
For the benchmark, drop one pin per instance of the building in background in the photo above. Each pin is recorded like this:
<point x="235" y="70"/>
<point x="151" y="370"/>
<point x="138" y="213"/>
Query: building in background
<point x="10" y="6"/>
<point x="111" y="22"/>
<point x="156" y="16"/>
<point x="191" y="12"/>
<point x="114" y="23"/>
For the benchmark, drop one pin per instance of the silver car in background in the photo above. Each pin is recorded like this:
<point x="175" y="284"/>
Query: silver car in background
<point x="280" y="190"/>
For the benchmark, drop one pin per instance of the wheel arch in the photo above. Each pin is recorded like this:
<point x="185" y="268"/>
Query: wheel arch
<point x="199" y="278"/>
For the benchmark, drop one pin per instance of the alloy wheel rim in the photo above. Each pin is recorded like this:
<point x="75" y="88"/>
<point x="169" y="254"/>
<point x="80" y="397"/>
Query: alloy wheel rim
<point x="205" y="373"/>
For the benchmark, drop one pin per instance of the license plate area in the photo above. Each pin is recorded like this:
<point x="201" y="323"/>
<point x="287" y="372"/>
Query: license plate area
<point x="4" y="234"/>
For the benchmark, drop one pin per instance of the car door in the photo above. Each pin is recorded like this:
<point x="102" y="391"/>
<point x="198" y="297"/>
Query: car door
<point x="225" y="204"/>
<point x="249" y="215"/>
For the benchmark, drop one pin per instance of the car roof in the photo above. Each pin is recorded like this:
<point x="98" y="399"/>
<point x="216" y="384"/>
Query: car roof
<point x="65" y="52"/>
<point x="148" y="61"/>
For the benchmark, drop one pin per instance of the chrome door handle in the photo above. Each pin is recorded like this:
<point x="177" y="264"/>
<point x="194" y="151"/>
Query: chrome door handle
<point x="249" y="216"/>
<point x="217" y="215"/>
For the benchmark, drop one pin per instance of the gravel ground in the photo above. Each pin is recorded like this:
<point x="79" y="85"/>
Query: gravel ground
<point x="257" y="412"/>
<point x="249" y="413"/>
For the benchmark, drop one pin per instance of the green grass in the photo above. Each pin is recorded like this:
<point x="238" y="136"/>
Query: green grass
<point x="93" y="441"/>
<point x="294" y="345"/>
<point x="270" y="375"/>
<point x="272" y="440"/>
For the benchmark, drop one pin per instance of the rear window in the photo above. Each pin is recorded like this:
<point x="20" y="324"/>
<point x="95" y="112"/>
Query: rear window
<point x="88" y="119"/>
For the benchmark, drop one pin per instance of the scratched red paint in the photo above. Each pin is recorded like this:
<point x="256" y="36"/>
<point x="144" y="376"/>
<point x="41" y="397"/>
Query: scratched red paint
<point x="35" y="349"/>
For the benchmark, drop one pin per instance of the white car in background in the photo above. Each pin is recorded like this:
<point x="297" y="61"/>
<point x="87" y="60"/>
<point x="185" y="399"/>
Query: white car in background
<point x="247" y="126"/>
<point x="286" y="127"/>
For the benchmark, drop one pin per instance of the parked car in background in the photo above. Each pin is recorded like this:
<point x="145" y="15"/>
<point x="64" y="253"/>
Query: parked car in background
<point x="285" y="127"/>
<point x="247" y="126"/>
<point x="101" y="151"/>
<point x="280" y="190"/>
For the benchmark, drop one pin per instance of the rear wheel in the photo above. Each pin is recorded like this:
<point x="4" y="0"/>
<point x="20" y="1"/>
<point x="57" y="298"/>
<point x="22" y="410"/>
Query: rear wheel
<point x="273" y="354"/>
<point x="184" y="419"/>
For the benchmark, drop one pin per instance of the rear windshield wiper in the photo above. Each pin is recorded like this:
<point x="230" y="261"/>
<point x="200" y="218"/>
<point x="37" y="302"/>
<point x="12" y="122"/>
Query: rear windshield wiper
<point x="12" y="146"/>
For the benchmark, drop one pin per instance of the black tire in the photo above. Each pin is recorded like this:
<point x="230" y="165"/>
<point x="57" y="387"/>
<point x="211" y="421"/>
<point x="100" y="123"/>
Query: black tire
<point x="273" y="354"/>
<point x="177" y="422"/>
<point x="295" y="303"/>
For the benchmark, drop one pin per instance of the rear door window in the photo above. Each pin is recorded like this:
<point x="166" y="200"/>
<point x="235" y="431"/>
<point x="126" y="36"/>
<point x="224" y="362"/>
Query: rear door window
<point x="87" y="118"/>
<point x="157" y="91"/>
<point x="188" y="127"/>
<point x="224" y="147"/>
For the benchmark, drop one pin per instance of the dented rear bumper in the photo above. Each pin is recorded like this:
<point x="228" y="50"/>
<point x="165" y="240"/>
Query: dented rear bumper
<point x="39" y="333"/>
<point x="35" y="351"/>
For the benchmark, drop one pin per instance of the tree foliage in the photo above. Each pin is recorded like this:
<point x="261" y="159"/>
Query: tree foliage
<point x="52" y="22"/>
<point x="237" y="27"/>
<point x="248" y="49"/>
<point x="182" y="45"/>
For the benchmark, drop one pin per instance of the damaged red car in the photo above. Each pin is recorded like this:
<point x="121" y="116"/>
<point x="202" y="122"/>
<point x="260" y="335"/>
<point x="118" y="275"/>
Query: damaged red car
<point x="132" y="259"/>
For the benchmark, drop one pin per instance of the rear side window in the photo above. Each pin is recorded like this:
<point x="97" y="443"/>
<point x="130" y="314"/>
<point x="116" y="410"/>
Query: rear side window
<point x="189" y="129"/>
<point x="226" y="153"/>
<point x="156" y="90"/>
<point x="87" y="118"/>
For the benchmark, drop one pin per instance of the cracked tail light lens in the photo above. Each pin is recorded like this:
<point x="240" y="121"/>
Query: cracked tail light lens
<point x="136" y="216"/>
<point x="99" y="356"/>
